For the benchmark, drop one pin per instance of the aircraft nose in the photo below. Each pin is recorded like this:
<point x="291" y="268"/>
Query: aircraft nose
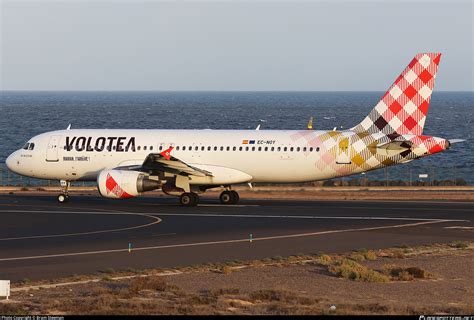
<point x="10" y="162"/>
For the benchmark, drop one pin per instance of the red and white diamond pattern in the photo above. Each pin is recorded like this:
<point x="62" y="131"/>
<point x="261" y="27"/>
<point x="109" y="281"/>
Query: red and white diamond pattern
<point x="403" y="108"/>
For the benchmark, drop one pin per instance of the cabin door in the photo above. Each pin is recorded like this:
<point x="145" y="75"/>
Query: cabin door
<point x="343" y="155"/>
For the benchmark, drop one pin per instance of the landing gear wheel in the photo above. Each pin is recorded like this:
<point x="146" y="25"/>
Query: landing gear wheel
<point x="189" y="199"/>
<point x="236" y="196"/>
<point x="229" y="197"/>
<point x="63" y="198"/>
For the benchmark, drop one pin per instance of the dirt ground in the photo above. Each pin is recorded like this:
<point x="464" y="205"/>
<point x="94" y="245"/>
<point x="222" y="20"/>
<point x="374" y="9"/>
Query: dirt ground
<point x="440" y="282"/>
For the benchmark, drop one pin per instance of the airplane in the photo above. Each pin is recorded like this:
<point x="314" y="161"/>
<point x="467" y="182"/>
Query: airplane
<point x="186" y="163"/>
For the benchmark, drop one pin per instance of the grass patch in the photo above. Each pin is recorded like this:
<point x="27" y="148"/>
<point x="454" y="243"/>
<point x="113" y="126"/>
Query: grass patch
<point x="459" y="244"/>
<point x="352" y="270"/>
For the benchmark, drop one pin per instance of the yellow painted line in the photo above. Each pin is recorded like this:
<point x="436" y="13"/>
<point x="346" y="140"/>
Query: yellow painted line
<point x="182" y="245"/>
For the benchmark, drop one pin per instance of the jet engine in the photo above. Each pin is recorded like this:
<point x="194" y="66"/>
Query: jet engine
<point x="120" y="184"/>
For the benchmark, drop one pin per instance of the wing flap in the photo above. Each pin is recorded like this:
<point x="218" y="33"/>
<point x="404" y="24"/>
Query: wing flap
<point x="166" y="163"/>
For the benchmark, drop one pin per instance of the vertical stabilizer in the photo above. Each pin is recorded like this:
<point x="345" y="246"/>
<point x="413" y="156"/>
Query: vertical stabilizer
<point x="403" y="108"/>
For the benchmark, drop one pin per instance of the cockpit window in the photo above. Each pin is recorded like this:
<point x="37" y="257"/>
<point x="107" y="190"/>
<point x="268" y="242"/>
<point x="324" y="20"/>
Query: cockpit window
<point x="32" y="146"/>
<point x="25" y="147"/>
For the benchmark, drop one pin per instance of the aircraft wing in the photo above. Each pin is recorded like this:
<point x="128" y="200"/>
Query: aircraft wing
<point x="167" y="163"/>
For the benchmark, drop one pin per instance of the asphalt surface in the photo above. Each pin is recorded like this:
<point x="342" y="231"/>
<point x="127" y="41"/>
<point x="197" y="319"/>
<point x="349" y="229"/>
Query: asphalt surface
<point x="42" y="239"/>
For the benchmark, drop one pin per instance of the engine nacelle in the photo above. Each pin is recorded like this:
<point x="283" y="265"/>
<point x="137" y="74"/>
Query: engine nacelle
<point x="121" y="184"/>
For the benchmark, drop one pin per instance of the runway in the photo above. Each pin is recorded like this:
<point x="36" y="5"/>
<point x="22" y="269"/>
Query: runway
<point x="42" y="239"/>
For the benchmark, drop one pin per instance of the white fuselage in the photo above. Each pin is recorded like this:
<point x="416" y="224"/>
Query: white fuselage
<point x="233" y="156"/>
<point x="51" y="160"/>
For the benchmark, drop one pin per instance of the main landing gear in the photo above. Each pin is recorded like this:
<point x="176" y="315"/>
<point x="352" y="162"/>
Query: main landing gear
<point x="189" y="199"/>
<point x="229" y="197"/>
<point x="63" y="197"/>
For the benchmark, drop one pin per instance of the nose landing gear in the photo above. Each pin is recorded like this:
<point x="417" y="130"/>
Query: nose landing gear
<point x="63" y="197"/>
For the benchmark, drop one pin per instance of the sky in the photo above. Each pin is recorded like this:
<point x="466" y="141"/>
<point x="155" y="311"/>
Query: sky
<point x="230" y="45"/>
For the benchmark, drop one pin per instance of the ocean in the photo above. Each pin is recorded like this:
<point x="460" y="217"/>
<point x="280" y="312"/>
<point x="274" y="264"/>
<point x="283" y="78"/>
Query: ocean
<point x="25" y="114"/>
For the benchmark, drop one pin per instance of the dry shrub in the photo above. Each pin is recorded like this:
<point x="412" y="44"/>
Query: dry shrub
<point x="324" y="259"/>
<point x="148" y="283"/>
<point x="350" y="269"/>
<point x="274" y="295"/>
<point x="357" y="256"/>
<point x="370" y="255"/>
<point x="226" y="270"/>
<point x="406" y="274"/>
<point x="397" y="253"/>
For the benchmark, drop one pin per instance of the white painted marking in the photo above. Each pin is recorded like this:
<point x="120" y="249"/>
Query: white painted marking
<point x="223" y="215"/>
<point x="219" y="242"/>
<point x="411" y="209"/>
<point x="156" y="220"/>
<point x="459" y="227"/>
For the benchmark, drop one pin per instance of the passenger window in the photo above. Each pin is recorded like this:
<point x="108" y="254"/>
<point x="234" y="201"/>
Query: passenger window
<point x="240" y="148"/>
<point x="196" y="148"/>
<point x="222" y="148"/>
<point x="317" y="149"/>
<point x="228" y="148"/>
<point x="151" y="147"/>
<point x="298" y="149"/>
<point x="246" y="148"/>
<point x="184" y="148"/>
<point x="202" y="148"/>
<point x="311" y="149"/>
<point x="190" y="148"/>
<point x="234" y="148"/>
<point x="161" y="148"/>
<point x="209" y="148"/>
<point x="215" y="148"/>
<point x="266" y="148"/>
<point x="177" y="148"/>
<point x="253" y="148"/>
<point x="273" y="148"/>
<point x="138" y="148"/>
<point x="291" y="149"/>
<point x="279" y="149"/>
<point x="144" y="148"/>
<point x="304" y="149"/>
<point x="285" y="148"/>
<point x="259" y="148"/>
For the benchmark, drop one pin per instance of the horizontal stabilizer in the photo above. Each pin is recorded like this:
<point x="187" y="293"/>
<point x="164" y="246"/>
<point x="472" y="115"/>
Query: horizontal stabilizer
<point x="392" y="148"/>
<point x="451" y="141"/>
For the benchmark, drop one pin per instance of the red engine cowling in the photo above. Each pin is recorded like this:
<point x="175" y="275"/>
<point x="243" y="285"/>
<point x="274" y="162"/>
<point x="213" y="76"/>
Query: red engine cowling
<point x="122" y="184"/>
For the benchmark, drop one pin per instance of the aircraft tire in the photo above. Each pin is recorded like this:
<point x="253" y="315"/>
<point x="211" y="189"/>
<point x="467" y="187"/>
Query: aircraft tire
<point x="229" y="197"/>
<point x="236" y="197"/>
<point x="189" y="199"/>
<point x="63" y="198"/>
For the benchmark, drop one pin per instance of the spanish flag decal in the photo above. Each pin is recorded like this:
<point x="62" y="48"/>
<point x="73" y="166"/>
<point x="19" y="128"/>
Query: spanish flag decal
<point x="245" y="142"/>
